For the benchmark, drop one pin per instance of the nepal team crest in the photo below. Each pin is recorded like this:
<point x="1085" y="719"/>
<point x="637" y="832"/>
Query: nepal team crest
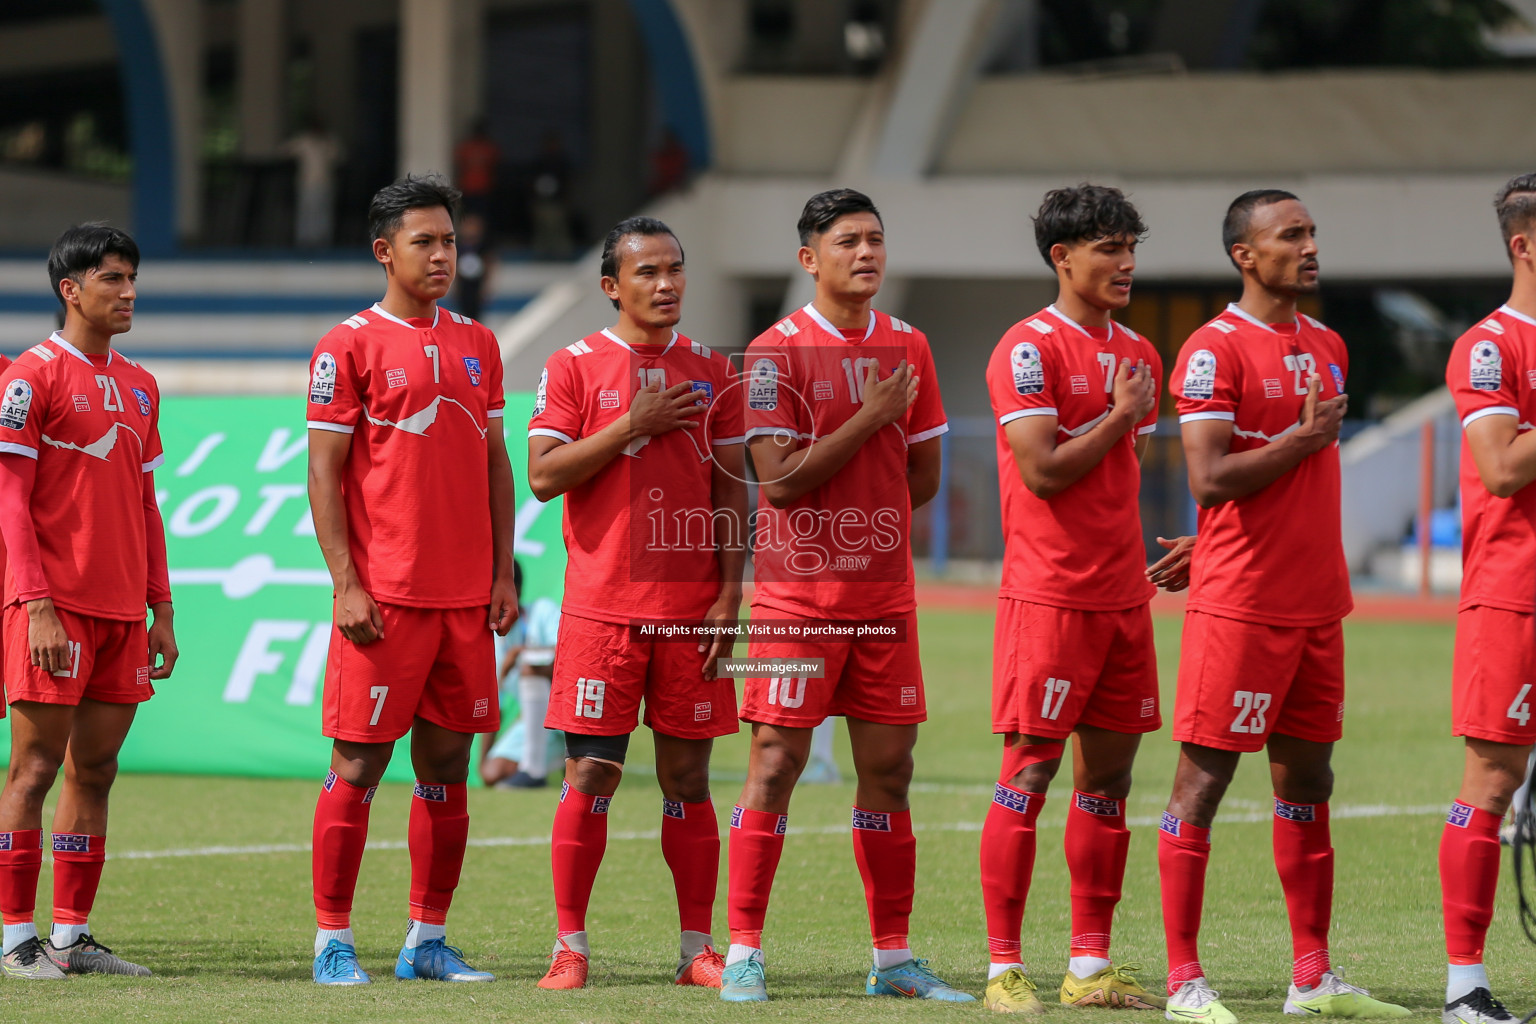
<point x="472" y="367"/>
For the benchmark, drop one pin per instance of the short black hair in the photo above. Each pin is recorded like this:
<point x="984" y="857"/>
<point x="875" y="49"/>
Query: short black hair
<point x="624" y="229"/>
<point x="824" y="208"/>
<point x="1516" y="207"/>
<point x="1084" y="213"/>
<point x="1234" y="227"/>
<point x="412" y="192"/>
<point x="83" y="247"/>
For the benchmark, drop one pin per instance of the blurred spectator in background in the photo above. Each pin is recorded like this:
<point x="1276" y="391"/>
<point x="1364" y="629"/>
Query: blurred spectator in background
<point x="476" y="161"/>
<point x="669" y="165"/>
<point x="549" y="211"/>
<point x="525" y="657"/>
<point x="315" y="153"/>
<point x="477" y="258"/>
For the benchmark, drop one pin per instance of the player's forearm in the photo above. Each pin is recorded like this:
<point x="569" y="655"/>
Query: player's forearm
<point x="1510" y="468"/>
<point x="17" y="475"/>
<point x="330" y="519"/>
<point x="157" y="591"/>
<point x="503" y="510"/>
<point x="1236" y="475"/>
<point x="567" y="466"/>
<point x="1048" y="473"/>
<point x="729" y="495"/>
<point x="802" y="471"/>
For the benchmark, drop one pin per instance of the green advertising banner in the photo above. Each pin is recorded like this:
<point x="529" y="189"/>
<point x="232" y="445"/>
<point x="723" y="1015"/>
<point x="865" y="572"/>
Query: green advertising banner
<point x="253" y="597"/>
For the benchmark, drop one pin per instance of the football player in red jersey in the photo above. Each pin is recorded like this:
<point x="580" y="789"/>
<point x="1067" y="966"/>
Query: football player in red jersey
<point x="1261" y="395"/>
<point x="1490" y="373"/>
<point x="843" y="424"/>
<point x="411" y="491"/>
<point x="79" y="443"/>
<point x="1074" y="395"/>
<point x="640" y="428"/>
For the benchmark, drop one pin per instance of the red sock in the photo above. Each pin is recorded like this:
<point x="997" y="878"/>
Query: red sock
<point x="21" y="858"/>
<point x="1096" y="844"/>
<point x="757" y="841"/>
<point x="77" y="863"/>
<point x="1469" y="877"/>
<point x="1304" y="858"/>
<point x="1007" y="863"/>
<point x="1183" y="851"/>
<point x="886" y="851"/>
<point x="690" y="843"/>
<point x="438" y="830"/>
<point x="341" y="832"/>
<point x="580" y="837"/>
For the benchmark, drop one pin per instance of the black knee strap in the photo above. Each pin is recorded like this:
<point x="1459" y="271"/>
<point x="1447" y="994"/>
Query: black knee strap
<point x="603" y="748"/>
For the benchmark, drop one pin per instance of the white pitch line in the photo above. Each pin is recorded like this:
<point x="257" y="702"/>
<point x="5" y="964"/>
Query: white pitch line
<point x="1253" y="817"/>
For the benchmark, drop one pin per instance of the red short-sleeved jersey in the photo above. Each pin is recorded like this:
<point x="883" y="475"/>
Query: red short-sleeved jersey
<point x="843" y="550"/>
<point x="639" y="536"/>
<point x="93" y="425"/>
<point x="1275" y="556"/>
<point x="418" y="398"/>
<point x="1492" y="372"/>
<point x="5" y="362"/>
<point x="1083" y="548"/>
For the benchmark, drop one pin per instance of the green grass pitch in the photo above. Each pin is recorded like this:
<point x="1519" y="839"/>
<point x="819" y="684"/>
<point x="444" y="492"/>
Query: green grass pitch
<point x="229" y="935"/>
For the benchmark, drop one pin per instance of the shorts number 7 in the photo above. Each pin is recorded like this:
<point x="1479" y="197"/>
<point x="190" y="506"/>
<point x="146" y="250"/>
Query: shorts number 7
<point x="378" y="693"/>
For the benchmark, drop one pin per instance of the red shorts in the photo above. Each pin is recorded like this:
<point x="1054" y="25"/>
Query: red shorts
<point x="604" y="669"/>
<point x="1054" y="669"/>
<point x="864" y="679"/>
<point x="1241" y="681"/>
<point x="1494" y="674"/>
<point x="433" y="663"/>
<point x="109" y="661"/>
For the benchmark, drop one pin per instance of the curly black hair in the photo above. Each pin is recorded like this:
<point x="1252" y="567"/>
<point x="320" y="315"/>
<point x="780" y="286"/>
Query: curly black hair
<point x="1084" y="213"/>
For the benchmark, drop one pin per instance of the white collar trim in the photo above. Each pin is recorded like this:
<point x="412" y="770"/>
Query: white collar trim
<point x="607" y="333"/>
<point x="1239" y="311"/>
<point x="1058" y="314"/>
<point x="437" y="311"/>
<point x="58" y="339"/>
<point x="1517" y="315"/>
<point x="826" y="325"/>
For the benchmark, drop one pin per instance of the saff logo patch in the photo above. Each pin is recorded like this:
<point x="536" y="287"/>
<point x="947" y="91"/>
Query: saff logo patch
<point x="322" y="380"/>
<point x="472" y="367"/>
<point x="144" y="404"/>
<point x="1200" y="375"/>
<point x="1338" y="376"/>
<point x="16" y="404"/>
<point x="1028" y="371"/>
<point x="1486" y="371"/>
<point x="763" y="386"/>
